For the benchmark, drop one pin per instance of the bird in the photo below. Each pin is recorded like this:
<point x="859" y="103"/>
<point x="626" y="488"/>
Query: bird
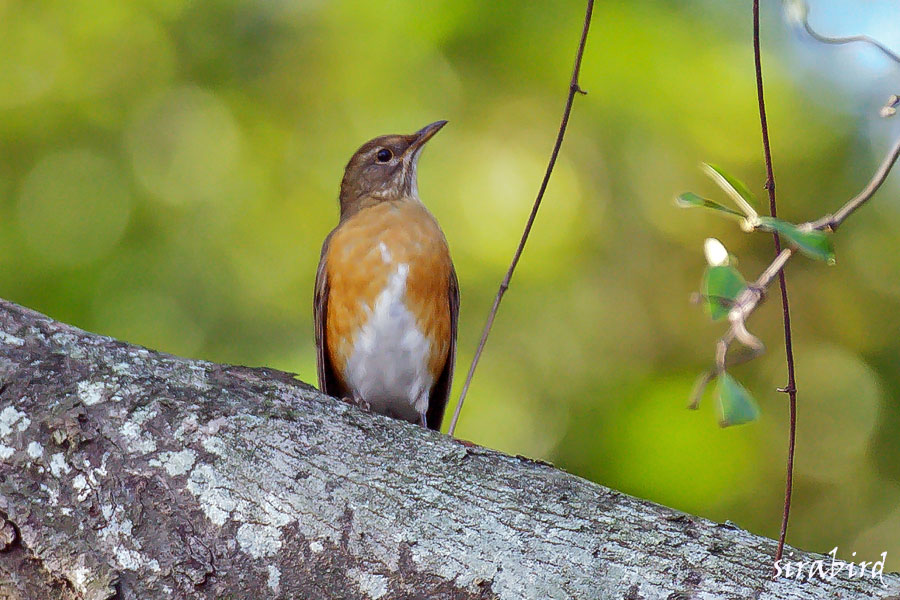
<point x="386" y="300"/>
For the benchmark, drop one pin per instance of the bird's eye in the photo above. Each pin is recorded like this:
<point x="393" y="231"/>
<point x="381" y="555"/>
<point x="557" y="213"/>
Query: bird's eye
<point x="384" y="155"/>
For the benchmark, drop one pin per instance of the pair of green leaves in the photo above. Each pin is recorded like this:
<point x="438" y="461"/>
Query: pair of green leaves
<point x="722" y="285"/>
<point x="739" y="193"/>
<point x="811" y="242"/>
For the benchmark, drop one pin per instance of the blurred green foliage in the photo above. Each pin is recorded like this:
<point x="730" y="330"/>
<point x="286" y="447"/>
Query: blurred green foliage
<point x="168" y="170"/>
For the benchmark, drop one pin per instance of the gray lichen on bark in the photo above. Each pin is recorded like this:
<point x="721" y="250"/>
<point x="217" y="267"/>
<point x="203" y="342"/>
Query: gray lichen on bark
<point x="130" y="472"/>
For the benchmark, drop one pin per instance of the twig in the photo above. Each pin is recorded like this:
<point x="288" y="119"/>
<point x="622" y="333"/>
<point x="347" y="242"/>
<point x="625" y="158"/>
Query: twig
<point x="743" y="306"/>
<point x="751" y="297"/>
<point x="738" y="325"/>
<point x="802" y="15"/>
<point x="832" y="222"/>
<point x="504" y="285"/>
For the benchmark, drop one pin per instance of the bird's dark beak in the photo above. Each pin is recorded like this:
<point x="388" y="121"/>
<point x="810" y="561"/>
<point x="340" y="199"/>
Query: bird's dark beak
<point x="423" y="135"/>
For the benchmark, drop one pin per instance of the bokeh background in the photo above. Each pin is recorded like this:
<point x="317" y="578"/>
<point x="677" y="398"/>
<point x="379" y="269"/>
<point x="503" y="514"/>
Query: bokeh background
<point x="169" y="168"/>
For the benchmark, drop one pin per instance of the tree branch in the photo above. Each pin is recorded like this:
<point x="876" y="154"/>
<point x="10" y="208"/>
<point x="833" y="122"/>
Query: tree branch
<point x="126" y="471"/>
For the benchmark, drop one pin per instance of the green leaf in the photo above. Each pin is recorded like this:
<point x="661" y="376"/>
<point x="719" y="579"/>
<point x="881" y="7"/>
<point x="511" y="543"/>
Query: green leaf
<point x="813" y="243"/>
<point x="734" y="187"/>
<point x="691" y="200"/>
<point x="736" y="405"/>
<point x="721" y="287"/>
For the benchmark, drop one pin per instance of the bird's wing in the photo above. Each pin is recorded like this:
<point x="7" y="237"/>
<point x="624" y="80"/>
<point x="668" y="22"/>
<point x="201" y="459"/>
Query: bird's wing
<point x="440" y="394"/>
<point x="328" y="380"/>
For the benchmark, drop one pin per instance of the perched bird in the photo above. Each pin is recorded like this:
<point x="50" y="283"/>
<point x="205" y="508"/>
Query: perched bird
<point x="387" y="298"/>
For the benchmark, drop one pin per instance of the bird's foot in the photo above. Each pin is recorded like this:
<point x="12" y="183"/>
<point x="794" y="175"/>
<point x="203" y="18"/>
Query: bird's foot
<point x="359" y="403"/>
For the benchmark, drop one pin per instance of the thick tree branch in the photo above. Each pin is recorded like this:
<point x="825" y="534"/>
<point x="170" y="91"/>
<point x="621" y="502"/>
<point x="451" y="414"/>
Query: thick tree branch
<point x="132" y="472"/>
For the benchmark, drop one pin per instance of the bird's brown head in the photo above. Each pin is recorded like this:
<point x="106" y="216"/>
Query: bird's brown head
<point x="384" y="169"/>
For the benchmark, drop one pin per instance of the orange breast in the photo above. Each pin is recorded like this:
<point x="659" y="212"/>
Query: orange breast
<point x="363" y="253"/>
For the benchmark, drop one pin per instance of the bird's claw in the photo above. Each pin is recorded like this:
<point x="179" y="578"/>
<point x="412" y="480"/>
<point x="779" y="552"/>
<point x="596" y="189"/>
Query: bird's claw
<point x="359" y="403"/>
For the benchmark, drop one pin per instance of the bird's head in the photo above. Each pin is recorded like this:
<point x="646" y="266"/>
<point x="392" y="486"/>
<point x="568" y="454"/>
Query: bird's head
<point x="384" y="169"/>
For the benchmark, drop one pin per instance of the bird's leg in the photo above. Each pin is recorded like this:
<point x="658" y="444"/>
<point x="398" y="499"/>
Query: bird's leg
<point x="423" y="421"/>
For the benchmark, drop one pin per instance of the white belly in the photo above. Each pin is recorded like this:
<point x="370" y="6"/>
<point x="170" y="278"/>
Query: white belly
<point x="388" y="367"/>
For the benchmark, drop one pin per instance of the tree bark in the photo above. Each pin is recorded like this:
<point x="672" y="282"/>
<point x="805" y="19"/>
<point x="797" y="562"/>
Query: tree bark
<point x="134" y="474"/>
